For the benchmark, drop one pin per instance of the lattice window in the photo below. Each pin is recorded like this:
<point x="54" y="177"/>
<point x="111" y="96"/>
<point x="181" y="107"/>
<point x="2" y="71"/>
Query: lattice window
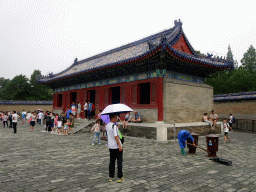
<point x="134" y="94"/>
<point x="78" y="96"/>
<point x="153" y="93"/>
<point x="97" y="97"/>
<point x="58" y="100"/>
<point x="106" y="96"/>
<point x="122" y="95"/>
<point x="85" y="96"/>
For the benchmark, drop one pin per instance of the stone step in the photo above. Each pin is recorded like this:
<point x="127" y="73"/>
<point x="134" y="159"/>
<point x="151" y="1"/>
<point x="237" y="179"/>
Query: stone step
<point x="81" y="125"/>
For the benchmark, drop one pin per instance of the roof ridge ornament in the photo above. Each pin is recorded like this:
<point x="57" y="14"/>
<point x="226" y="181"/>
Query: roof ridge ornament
<point x="75" y="62"/>
<point x="176" y="23"/>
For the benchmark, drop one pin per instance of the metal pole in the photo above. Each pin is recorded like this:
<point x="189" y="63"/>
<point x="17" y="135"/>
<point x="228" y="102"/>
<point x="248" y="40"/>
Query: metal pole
<point x="174" y="133"/>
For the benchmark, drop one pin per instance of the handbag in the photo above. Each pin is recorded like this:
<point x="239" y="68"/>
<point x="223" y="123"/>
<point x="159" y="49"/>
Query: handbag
<point x="30" y="120"/>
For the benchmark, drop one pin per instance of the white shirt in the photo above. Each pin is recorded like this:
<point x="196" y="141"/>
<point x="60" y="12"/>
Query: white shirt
<point x="225" y="127"/>
<point x="14" y="118"/>
<point x="85" y="106"/>
<point x="23" y="113"/>
<point x="59" y="123"/>
<point x="112" y="132"/>
<point x="28" y="116"/>
<point x="33" y="118"/>
<point x="40" y="115"/>
<point x="230" y="119"/>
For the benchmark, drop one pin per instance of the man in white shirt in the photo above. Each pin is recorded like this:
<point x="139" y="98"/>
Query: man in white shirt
<point x="115" y="149"/>
<point x="85" y="109"/>
<point x="14" y="121"/>
<point x="40" y="116"/>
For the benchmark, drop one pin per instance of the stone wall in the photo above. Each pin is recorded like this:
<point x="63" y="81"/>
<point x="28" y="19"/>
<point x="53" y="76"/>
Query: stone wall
<point x="27" y="108"/>
<point x="140" y="131"/>
<point x="239" y="109"/>
<point x="148" y="115"/>
<point x="186" y="101"/>
<point x="202" y="130"/>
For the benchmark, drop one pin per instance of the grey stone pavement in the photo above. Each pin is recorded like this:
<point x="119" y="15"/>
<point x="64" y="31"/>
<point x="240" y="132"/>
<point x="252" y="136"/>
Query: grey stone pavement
<point x="39" y="161"/>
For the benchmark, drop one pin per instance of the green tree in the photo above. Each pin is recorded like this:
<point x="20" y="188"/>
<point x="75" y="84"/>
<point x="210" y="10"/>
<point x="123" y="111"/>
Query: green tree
<point x="235" y="64"/>
<point x="229" y="54"/>
<point x="17" y="89"/>
<point x="249" y="59"/>
<point x="39" y="91"/>
<point x="235" y="81"/>
<point x="21" y="88"/>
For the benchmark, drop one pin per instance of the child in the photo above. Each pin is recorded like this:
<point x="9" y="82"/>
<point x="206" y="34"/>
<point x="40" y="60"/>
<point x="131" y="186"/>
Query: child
<point x="226" y="128"/>
<point x="59" y="125"/>
<point x="66" y="126"/>
<point x="96" y="129"/>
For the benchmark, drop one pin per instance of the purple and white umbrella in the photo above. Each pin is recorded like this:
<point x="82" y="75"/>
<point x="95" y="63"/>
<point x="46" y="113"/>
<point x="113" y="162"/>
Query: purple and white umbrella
<point x="116" y="108"/>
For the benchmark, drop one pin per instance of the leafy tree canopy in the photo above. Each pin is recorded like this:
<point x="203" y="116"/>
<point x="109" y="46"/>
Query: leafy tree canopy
<point x="22" y="88"/>
<point x="249" y="59"/>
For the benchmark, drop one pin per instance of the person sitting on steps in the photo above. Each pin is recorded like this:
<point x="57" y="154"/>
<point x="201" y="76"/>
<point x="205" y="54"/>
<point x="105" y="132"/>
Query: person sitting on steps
<point x="137" y="117"/>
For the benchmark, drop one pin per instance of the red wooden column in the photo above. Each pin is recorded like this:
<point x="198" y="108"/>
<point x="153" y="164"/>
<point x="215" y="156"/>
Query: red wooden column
<point x="159" y="96"/>
<point x="128" y="94"/>
<point x="64" y="100"/>
<point x="82" y="103"/>
<point x="54" y="102"/>
<point x="97" y="105"/>
<point x="101" y="98"/>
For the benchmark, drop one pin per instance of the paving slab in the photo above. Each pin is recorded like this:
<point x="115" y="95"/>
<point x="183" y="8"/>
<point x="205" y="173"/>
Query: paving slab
<point x="41" y="161"/>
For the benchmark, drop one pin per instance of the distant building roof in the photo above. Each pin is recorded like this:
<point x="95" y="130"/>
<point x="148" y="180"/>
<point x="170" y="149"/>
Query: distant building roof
<point x="235" y="96"/>
<point x="138" y="50"/>
<point x="16" y="102"/>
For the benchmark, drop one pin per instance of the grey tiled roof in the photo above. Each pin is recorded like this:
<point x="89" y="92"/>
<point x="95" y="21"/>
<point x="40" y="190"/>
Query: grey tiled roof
<point x="134" y="51"/>
<point x="235" y="96"/>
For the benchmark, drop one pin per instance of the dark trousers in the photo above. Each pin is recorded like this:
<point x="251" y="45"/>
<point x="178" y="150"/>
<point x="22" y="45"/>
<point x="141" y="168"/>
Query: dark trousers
<point x="14" y="127"/>
<point x="48" y="127"/>
<point x="116" y="154"/>
<point x="10" y="124"/>
<point x="89" y="114"/>
<point x="86" y="113"/>
<point x="6" y="123"/>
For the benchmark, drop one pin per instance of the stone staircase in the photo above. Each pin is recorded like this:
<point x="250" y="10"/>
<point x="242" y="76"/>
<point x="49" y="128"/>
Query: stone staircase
<point x="82" y="125"/>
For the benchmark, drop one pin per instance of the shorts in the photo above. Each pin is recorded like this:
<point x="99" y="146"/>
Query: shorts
<point x="32" y="123"/>
<point x="225" y="133"/>
<point x="74" y="112"/>
<point x="59" y="127"/>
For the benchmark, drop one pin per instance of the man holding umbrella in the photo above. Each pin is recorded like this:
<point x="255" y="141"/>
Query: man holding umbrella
<point x="115" y="149"/>
<point x="114" y="142"/>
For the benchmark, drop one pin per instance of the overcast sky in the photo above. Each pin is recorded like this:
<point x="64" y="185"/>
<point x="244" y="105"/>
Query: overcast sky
<point x="49" y="34"/>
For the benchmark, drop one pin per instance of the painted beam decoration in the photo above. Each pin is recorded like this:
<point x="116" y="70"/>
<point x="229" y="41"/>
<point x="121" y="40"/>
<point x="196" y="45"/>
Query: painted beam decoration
<point x="130" y="78"/>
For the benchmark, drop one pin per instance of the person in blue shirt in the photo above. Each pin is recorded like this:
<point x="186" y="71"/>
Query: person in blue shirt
<point x="89" y="110"/>
<point x="68" y="111"/>
<point x="183" y="136"/>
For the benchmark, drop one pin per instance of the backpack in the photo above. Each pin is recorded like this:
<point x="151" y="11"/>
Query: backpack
<point x="121" y="137"/>
<point x="48" y="119"/>
<point x="233" y="120"/>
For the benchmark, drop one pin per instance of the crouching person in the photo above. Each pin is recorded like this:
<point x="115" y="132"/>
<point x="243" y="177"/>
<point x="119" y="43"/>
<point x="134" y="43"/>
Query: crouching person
<point x="183" y="136"/>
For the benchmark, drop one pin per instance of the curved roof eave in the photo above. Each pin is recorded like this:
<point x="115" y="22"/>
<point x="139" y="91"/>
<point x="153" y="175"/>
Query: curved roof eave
<point x="200" y="61"/>
<point x="130" y="60"/>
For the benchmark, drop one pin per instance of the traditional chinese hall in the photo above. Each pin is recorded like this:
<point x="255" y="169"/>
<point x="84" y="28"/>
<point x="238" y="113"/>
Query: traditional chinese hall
<point x="160" y="76"/>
